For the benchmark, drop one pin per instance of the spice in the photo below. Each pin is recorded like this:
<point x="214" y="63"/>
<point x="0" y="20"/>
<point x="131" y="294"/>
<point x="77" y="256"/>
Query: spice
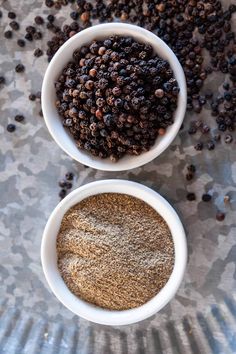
<point x="11" y="128"/>
<point x="191" y="197"/>
<point x="113" y="111"/>
<point x="19" y="118"/>
<point x="19" y="68"/>
<point x="206" y="197"/>
<point x="117" y="260"/>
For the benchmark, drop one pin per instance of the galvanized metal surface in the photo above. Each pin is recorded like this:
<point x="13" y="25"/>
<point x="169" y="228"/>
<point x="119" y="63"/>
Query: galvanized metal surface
<point x="201" y="318"/>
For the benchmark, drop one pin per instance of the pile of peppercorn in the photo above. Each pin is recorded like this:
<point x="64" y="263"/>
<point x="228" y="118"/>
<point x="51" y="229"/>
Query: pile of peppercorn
<point x="116" y="97"/>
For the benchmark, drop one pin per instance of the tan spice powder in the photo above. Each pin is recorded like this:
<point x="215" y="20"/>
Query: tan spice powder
<point x="114" y="251"/>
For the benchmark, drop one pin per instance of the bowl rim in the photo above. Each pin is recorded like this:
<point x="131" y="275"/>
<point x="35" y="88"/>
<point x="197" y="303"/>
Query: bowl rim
<point x="94" y="313"/>
<point x="127" y="162"/>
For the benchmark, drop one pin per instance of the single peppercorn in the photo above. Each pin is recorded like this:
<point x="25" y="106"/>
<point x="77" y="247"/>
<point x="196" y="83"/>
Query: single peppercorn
<point x="19" y="118"/>
<point x="38" y="52"/>
<point x="21" y="42"/>
<point x="39" y="20"/>
<point x="62" y="193"/>
<point x="11" y="128"/>
<point x="206" y="197"/>
<point x="191" y="197"/>
<point x="8" y="34"/>
<point x="32" y="97"/>
<point x="19" y="68"/>
<point x="228" y="139"/>
<point x="69" y="176"/>
<point x="14" y="25"/>
<point x="11" y="15"/>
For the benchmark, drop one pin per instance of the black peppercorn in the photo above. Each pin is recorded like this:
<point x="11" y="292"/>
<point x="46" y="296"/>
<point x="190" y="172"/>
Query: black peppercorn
<point x="11" y="128"/>
<point x="191" y="197"/>
<point x="19" y="118"/>
<point x="38" y="53"/>
<point x="206" y="197"/>
<point x="38" y="20"/>
<point x="21" y="42"/>
<point x="19" y="68"/>
<point x="8" y="34"/>
<point x="62" y="193"/>
<point x="14" y="25"/>
<point x="11" y="15"/>
<point x="69" y="176"/>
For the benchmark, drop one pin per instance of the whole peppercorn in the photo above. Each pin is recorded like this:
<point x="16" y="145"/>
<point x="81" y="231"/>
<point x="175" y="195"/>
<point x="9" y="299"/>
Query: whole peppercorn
<point x="30" y="29"/>
<point x="206" y="197"/>
<point x="62" y="193"/>
<point x="11" y="15"/>
<point x="191" y="197"/>
<point x="69" y="176"/>
<point x="8" y="34"/>
<point x="19" y="68"/>
<point x="21" y="42"/>
<point x="38" y="52"/>
<point x="19" y="118"/>
<point x="32" y="97"/>
<point x="38" y="20"/>
<point x="37" y="35"/>
<point x="14" y="25"/>
<point x="198" y="146"/>
<point x="49" y="3"/>
<point x="29" y="37"/>
<point x="50" y="18"/>
<point x="11" y="128"/>
<point x="220" y="216"/>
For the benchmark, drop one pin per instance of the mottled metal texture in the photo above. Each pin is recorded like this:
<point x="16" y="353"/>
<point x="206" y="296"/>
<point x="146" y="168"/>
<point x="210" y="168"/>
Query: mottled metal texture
<point x="201" y="318"/>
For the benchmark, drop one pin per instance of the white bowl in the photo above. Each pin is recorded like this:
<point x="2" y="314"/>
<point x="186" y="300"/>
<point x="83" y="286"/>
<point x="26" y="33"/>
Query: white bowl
<point x="92" y="312"/>
<point x="64" y="55"/>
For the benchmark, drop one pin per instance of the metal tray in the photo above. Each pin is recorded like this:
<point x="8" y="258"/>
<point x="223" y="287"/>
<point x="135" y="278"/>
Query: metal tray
<point x="201" y="318"/>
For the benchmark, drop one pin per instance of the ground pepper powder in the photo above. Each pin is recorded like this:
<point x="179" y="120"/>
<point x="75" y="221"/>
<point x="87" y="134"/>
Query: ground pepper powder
<point x="114" y="251"/>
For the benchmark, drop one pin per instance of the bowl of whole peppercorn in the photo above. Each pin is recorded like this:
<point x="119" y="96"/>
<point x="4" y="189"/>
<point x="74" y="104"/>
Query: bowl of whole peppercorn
<point x="114" y="96"/>
<point x="161" y="245"/>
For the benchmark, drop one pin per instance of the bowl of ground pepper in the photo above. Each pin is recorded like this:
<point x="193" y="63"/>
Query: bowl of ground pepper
<point x="114" y="268"/>
<point x="114" y="96"/>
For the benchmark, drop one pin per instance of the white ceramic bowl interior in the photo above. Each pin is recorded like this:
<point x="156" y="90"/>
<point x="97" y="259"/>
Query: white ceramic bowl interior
<point x="89" y="311"/>
<point x="64" y="55"/>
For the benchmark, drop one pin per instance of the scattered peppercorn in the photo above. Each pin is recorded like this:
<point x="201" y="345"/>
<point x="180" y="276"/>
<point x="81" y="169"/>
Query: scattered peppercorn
<point x="32" y="97"/>
<point x="19" y="68"/>
<point x="62" y="193"/>
<point x="37" y="35"/>
<point x="38" y="52"/>
<point x="206" y="197"/>
<point x="51" y="18"/>
<point x="8" y="34"/>
<point x="14" y="25"/>
<point x="21" y="42"/>
<point x="38" y="20"/>
<point x="69" y="176"/>
<point x="11" y="15"/>
<point x="191" y="197"/>
<point x="19" y="118"/>
<point x="220" y="216"/>
<point x="11" y="128"/>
